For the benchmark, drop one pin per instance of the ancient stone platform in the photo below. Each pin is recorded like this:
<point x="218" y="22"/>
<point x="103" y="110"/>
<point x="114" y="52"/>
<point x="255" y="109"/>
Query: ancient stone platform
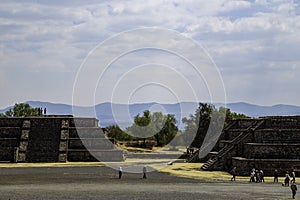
<point x="55" y="139"/>
<point x="267" y="143"/>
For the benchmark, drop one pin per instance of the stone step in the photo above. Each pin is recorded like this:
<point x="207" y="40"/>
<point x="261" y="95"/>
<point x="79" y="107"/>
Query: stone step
<point x="7" y="154"/>
<point x="90" y="143"/>
<point x="10" y="132"/>
<point x="280" y="151"/>
<point x="84" y="122"/>
<point x="86" y="132"/>
<point x="9" y="142"/>
<point x="11" y="122"/>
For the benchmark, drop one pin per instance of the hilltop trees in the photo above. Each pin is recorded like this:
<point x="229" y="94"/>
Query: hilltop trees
<point x="149" y="126"/>
<point x="21" y="110"/>
<point x="162" y="128"/>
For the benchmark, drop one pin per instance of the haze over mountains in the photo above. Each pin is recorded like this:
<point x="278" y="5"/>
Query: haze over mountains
<point x="122" y="114"/>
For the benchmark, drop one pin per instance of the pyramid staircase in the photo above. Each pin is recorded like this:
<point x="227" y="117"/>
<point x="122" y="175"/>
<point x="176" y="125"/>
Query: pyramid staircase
<point x="231" y="148"/>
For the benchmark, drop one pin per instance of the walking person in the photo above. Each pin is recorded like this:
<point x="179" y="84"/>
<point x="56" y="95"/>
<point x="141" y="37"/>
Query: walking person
<point x="233" y="173"/>
<point x="262" y="176"/>
<point x="294" y="189"/>
<point x="144" y="172"/>
<point x="293" y="176"/>
<point x="120" y="172"/>
<point x="276" y="174"/>
<point x="287" y="179"/>
<point x="252" y="175"/>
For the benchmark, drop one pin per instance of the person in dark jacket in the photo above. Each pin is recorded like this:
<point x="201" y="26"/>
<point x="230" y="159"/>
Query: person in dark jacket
<point x="294" y="189"/>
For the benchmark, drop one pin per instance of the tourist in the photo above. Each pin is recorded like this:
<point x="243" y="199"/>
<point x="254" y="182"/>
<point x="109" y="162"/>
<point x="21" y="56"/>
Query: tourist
<point x="262" y="176"/>
<point x="293" y="176"/>
<point x="144" y="172"/>
<point x="276" y="176"/>
<point x="252" y="175"/>
<point x="192" y="150"/>
<point x="257" y="176"/>
<point x="120" y="172"/>
<point x="188" y="152"/>
<point x="294" y="189"/>
<point x="45" y="111"/>
<point x="233" y="173"/>
<point x="287" y="179"/>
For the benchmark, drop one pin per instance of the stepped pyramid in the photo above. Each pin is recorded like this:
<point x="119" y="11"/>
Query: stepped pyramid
<point x="267" y="143"/>
<point x="55" y="139"/>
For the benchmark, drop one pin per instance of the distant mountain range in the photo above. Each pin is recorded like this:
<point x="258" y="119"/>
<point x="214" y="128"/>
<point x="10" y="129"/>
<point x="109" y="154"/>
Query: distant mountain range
<point x="108" y="113"/>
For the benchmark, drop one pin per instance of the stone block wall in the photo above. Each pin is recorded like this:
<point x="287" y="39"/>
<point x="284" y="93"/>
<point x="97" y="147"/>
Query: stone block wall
<point x="54" y="139"/>
<point x="274" y="144"/>
<point x="276" y="135"/>
<point x="276" y="151"/>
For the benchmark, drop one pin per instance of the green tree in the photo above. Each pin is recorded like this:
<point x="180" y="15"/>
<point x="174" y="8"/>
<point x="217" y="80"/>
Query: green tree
<point x="166" y="128"/>
<point x="197" y="125"/>
<point x="156" y="126"/>
<point x="22" y="110"/>
<point x="115" y="132"/>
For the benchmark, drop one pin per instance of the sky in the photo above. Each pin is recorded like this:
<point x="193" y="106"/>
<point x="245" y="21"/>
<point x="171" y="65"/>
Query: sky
<point x="46" y="47"/>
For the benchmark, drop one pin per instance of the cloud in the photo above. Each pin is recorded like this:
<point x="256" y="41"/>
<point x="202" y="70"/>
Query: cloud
<point x="243" y="37"/>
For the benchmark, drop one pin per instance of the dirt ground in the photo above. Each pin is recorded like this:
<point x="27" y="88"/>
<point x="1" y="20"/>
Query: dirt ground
<point x="100" y="182"/>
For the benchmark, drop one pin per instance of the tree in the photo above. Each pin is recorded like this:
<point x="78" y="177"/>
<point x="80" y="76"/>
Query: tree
<point x="198" y="124"/>
<point x="141" y="127"/>
<point x="156" y="126"/>
<point x="165" y="127"/>
<point x="22" y="110"/>
<point x="114" y="131"/>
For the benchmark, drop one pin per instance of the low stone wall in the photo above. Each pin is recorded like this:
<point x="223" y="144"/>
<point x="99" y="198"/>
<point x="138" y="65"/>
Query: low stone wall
<point x="290" y="135"/>
<point x="282" y="122"/>
<point x="278" y="151"/>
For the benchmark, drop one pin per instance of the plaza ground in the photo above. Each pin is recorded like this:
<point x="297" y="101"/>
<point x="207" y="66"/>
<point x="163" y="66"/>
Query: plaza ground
<point x="97" y="181"/>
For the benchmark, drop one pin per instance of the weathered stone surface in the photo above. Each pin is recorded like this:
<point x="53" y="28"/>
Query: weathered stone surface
<point x="24" y="134"/>
<point x="62" y="157"/>
<point x="48" y="139"/>
<point x="63" y="146"/>
<point x="64" y="134"/>
<point x="26" y="124"/>
<point x="21" y="157"/>
<point x="23" y="146"/>
<point x="64" y="124"/>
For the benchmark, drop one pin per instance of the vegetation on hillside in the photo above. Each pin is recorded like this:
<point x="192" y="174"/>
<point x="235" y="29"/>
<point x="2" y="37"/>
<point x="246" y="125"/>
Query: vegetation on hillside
<point x="21" y="110"/>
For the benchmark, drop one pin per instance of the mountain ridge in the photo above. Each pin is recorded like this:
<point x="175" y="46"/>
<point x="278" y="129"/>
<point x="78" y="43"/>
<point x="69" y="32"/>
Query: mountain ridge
<point x="122" y="114"/>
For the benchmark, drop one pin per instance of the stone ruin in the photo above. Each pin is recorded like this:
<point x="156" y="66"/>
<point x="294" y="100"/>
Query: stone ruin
<point x="55" y="139"/>
<point x="267" y="143"/>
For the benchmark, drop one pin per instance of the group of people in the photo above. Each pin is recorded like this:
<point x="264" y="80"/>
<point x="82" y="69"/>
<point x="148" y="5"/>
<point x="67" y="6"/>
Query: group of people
<point x="257" y="176"/>
<point x="190" y="151"/>
<point x="41" y="111"/>
<point x="144" y="172"/>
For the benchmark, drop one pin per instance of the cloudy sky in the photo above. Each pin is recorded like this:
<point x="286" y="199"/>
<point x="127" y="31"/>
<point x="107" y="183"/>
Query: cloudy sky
<point x="254" y="45"/>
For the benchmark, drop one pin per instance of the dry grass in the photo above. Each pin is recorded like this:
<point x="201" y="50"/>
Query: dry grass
<point x="192" y="170"/>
